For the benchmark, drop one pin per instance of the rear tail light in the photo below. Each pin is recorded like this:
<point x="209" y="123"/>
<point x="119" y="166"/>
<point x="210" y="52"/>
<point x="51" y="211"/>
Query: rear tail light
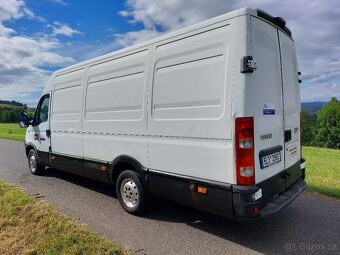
<point x="245" y="168"/>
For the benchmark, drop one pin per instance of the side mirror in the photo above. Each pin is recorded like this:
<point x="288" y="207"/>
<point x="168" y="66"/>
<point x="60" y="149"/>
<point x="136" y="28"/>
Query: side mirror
<point x="24" y="120"/>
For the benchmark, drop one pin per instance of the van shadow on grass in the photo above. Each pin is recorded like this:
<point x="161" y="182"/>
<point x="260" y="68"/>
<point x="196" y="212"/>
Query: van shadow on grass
<point x="274" y="234"/>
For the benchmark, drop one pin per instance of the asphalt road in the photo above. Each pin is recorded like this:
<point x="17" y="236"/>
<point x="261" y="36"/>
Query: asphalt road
<point x="309" y="225"/>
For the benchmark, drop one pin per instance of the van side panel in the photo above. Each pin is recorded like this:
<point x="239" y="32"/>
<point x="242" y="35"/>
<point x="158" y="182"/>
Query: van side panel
<point x="115" y="119"/>
<point x="189" y="120"/>
<point x="66" y="113"/>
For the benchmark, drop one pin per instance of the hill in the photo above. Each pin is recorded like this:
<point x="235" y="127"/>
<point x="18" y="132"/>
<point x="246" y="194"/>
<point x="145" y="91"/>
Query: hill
<point x="13" y="103"/>
<point x="312" y="107"/>
<point x="9" y="111"/>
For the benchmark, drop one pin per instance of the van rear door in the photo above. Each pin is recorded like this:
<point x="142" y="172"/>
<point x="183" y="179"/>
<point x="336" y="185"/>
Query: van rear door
<point x="264" y="86"/>
<point x="292" y="108"/>
<point x="276" y="105"/>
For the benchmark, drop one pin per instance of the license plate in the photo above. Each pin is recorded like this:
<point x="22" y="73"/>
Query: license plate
<point x="270" y="159"/>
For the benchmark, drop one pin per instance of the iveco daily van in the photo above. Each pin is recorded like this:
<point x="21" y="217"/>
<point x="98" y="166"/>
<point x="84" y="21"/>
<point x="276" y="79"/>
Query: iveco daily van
<point x="208" y="116"/>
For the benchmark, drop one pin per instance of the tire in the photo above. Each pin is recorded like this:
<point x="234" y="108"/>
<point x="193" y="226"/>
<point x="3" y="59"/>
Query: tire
<point x="33" y="163"/>
<point x="131" y="195"/>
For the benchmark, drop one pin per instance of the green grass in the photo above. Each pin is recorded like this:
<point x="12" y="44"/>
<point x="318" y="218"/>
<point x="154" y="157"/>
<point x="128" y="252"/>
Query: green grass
<point x="322" y="170"/>
<point x="31" y="226"/>
<point x="12" y="131"/>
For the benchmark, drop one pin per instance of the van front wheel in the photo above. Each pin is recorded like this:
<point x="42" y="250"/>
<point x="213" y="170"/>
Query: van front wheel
<point x="130" y="192"/>
<point x="35" y="167"/>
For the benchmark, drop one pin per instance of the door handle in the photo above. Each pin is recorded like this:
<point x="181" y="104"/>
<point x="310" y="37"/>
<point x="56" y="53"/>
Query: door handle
<point x="48" y="133"/>
<point x="288" y="135"/>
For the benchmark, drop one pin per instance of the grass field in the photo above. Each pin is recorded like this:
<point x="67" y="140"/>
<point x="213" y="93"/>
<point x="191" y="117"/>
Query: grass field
<point x="12" y="131"/>
<point x="322" y="170"/>
<point x="31" y="226"/>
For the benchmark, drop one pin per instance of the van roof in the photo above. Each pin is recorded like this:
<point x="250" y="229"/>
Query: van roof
<point x="226" y="16"/>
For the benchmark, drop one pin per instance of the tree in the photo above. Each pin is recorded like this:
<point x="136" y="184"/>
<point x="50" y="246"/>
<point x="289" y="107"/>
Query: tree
<point x="307" y="128"/>
<point x="327" y="132"/>
<point x="10" y="113"/>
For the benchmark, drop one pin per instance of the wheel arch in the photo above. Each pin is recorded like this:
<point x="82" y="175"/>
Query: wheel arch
<point x="30" y="146"/>
<point x="126" y="162"/>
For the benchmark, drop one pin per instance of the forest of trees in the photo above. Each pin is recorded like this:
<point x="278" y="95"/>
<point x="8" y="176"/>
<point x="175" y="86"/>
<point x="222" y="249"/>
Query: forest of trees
<point x="324" y="131"/>
<point x="10" y="114"/>
<point x="9" y="111"/>
<point x="14" y="103"/>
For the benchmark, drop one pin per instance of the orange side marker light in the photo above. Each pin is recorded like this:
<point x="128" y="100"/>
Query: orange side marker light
<point x="202" y="190"/>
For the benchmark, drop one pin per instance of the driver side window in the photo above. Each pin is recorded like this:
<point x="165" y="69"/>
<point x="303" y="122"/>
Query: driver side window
<point x="42" y="111"/>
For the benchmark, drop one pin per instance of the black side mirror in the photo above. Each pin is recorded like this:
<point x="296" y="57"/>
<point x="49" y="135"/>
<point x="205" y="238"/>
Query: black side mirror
<point x="24" y="120"/>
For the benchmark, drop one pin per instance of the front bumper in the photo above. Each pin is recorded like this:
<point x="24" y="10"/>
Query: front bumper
<point x="269" y="196"/>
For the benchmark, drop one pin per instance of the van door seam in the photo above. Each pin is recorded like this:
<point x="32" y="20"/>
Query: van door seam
<point x="283" y="102"/>
<point x="148" y="104"/>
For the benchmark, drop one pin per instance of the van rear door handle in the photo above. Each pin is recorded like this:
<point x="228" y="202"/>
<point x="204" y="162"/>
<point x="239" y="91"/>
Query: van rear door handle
<point x="288" y="135"/>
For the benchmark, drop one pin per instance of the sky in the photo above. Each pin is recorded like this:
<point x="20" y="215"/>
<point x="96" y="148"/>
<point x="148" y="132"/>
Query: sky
<point x="38" y="37"/>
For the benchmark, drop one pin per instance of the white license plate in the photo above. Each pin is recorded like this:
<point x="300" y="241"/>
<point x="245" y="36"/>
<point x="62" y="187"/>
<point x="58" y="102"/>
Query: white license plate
<point x="270" y="159"/>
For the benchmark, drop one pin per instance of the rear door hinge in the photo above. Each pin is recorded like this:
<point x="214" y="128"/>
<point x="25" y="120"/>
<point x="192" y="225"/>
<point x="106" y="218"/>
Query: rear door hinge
<point x="248" y="64"/>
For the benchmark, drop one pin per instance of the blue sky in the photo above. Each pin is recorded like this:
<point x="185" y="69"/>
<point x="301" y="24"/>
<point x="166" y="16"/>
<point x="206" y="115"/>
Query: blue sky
<point x="92" y="19"/>
<point x="40" y="36"/>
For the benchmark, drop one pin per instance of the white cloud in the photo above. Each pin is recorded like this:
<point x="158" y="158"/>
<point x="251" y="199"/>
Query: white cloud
<point x="134" y="37"/>
<point x="320" y="92"/>
<point x="61" y="2"/>
<point x="24" y="59"/>
<point x="5" y="30"/>
<point x="123" y="13"/>
<point x="173" y="14"/>
<point x="158" y="17"/>
<point x="315" y="26"/>
<point x="11" y="9"/>
<point x="63" y="29"/>
<point x="31" y="15"/>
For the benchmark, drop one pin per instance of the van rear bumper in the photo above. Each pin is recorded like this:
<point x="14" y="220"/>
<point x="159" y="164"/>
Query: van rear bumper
<point x="262" y="200"/>
<point x="283" y="199"/>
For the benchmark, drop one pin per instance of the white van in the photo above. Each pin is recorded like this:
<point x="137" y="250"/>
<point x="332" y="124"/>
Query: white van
<point x="208" y="116"/>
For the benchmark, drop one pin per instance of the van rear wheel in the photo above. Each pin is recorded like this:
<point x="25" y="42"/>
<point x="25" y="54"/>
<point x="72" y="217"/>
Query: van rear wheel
<point x="130" y="192"/>
<point x="35" y="167"/>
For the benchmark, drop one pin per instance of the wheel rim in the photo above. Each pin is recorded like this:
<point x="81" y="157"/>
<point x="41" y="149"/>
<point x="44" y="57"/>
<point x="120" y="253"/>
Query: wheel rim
<point x="33" y="163"/>
<point x="129" y="192"/>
